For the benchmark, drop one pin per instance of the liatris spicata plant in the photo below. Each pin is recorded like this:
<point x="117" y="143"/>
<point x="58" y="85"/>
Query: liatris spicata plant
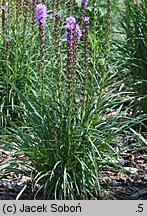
<point x="94" y="32"/>
<point x="109" y="3"/>
<point x="84" y="4"/>
<point x="18" y="9"/>
<point x="26" y="7"/>
<point x="4" y="56"/>
<point x="69" y="33"/>
<point x="70" y="7"/>
<point x="86" y="26"/>
<point x="4" y="20"/>
<point x="34" y="12"/>
<point x="54" y="7"/>
<point x="57" y="38"/>
<point x="72" y="26"/>
<point x="7" y="75"/>
<point x="4" y="26"/>
<point x="29" y="2"/>
<point x="7" y="57"/>
<point x="41" y="14"/>
<point x="58" y="58"/>
<point x="5" y="42"/>
<point x="72" y="34"/>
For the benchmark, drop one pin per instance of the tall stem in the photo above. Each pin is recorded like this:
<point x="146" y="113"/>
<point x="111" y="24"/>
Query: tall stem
<point x="41" y="63"/>
<point x="109" y="3"/>
<point x="128" y="11"/>
<point x="17" y="39"/>
<point x="70" y="7"/>
<point x="94" y="29"/>
<point x="86" y="25"/>
<point x="58" y="57"/>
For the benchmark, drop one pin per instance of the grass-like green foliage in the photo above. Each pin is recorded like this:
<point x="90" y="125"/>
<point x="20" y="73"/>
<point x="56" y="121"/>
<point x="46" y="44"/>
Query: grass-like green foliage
<point x="134" y="23"/>
<point x="65" y="158"/>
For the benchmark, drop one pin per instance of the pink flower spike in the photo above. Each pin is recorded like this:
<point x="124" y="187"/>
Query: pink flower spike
<point x="4" y="7"/>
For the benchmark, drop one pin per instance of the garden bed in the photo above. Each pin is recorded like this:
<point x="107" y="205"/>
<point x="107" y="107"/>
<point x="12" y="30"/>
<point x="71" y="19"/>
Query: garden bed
<point x="118" y="185"/>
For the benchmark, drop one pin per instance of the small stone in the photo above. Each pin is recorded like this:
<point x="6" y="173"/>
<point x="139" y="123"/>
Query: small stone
<point x="130" y="170"/>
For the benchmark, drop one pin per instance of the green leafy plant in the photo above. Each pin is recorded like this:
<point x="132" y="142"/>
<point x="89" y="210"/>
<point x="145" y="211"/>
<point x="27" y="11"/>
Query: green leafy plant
<point x="134" y="49"/>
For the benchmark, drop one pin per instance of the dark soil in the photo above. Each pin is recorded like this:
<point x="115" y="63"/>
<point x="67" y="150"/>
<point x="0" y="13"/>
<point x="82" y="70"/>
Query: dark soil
<point x="126" y="186"/>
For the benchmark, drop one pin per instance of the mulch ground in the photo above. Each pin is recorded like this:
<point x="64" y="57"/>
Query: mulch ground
<point x="126" y="186"/>
<point x="117" y="184"/>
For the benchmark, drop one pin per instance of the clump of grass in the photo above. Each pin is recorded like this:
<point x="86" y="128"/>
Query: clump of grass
<point x="134" y="48"/>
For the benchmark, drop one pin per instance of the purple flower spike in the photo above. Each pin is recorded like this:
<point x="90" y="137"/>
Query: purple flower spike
<point x="84" y="3"/>
<point x="70" y="20"/>
<point x="86" y="21"/>
<point x="78" y="32"/>
<point x="41" y="14"/>
<point x="4" y="7"/>
<point x="71" y="26"/>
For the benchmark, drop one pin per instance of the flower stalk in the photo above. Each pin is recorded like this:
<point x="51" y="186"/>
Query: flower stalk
<point x="34" y="12"/>
<point x="83" y="4"/>
<point x="94" y="29"/>
<point x="18" y="10"/>
<point x="25" y="8"/>
<point x="5" y="55"/>
<point x="41" y="14"/>
<point x="7" y="59"/>
<point x="5" y="41"/>
<point x="86" y="33"/>
<point x="58" y="58"/>
<point x="86" y="25"/>
<point x="109" y="3"/>
<point x="4" y="21"/>
<point x="54" y="8"/>
<point x="73" y="35"/>
<point x="70" y="7"/>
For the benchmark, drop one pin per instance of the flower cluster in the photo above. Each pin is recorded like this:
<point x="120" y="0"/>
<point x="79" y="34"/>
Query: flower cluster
<point x="4" y="7"/>
<point x="72" y="28"/>
<point x="86" y="22"/>
<point x="4" y="19"/>
<point x="41" y="14"/>
<point x="72" y="35"/>
<point x="84" y="3"/>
